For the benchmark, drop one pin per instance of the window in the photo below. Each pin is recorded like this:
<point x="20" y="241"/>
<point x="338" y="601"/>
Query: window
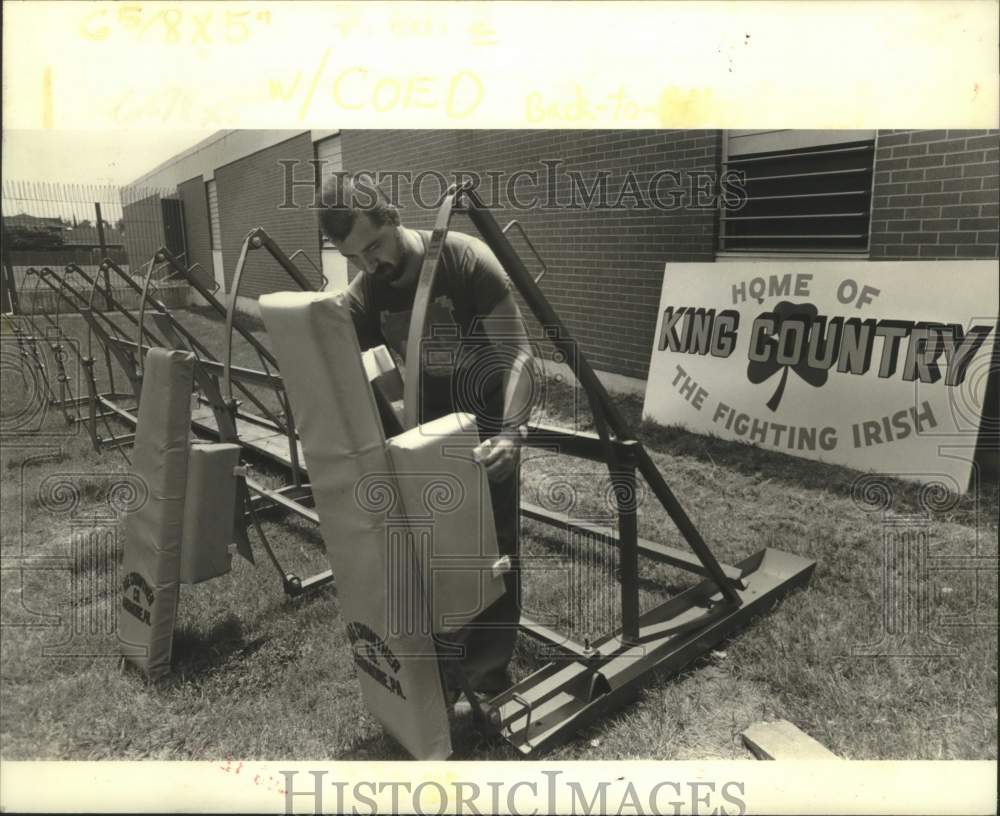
<point x="330" y="154"/>
<point x="807" y="191"/>
<point x="328" y="151"/>
<point x="215" y="227"/>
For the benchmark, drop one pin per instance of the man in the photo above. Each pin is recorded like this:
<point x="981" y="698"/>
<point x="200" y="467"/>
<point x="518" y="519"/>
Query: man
<point x="477" y="360"/>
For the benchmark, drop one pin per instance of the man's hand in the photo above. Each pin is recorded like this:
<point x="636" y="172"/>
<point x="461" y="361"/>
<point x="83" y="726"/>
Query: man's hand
<point x="499" y="455"/>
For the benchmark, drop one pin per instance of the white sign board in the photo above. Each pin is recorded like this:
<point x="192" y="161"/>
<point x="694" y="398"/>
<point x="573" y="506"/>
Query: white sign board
<point x="879" y="366"/>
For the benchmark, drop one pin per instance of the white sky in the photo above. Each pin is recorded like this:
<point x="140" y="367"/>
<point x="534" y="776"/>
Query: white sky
<point x="90" y="157"/>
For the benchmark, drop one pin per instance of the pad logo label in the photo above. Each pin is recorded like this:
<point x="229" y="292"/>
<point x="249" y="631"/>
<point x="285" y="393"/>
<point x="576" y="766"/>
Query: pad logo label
<point x="369" y="649"/>
<point x="137" y="597"/>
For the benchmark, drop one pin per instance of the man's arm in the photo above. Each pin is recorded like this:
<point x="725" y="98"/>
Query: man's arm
<point x="363" y="314"/>
<point x="505" y="328"/>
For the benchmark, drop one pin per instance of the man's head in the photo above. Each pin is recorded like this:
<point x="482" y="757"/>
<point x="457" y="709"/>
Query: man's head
<point x="364" y="226"/>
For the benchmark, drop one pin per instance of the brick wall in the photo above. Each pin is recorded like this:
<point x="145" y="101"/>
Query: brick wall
<point x="605" y="267"/>
<point x="196" y="224"/>
<point x="935" y="194"/>
<point x="250" y="191"/>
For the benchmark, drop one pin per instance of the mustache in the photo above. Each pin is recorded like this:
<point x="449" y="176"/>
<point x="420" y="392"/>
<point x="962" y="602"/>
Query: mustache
<point x="387" y="271"/>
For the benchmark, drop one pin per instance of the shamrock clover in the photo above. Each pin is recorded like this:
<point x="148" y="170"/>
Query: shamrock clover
<point x="758" y="371"/>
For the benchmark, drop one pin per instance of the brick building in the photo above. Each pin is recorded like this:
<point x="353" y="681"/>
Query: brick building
<point x="616" y="206"/>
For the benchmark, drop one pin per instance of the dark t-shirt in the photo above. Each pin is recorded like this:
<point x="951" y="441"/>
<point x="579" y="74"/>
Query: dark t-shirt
<point x="459" y="372"/>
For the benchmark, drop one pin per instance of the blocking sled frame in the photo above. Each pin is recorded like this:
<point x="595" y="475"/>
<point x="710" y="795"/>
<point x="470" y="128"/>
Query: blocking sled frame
<point x="269" y="432"/>
<point x="268" y="435"/>
<point x="591" y="678"/>
<point x="584" y="680"/>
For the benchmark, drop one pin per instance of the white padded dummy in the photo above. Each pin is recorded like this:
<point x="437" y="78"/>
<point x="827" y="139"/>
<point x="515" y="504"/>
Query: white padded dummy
<point x="446" y="499"/>
<point x="151" y="560"/>
<point x="313" y="338"/>
<point x="208" y="519"/>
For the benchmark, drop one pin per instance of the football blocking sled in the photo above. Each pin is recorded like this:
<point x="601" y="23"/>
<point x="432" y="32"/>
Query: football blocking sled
<point x="588" y="679"/>
<point x="68" y="294"/>
<point x="408" y="521"/>
<point x="265" y="434"/>
<point x="596" y="676"/>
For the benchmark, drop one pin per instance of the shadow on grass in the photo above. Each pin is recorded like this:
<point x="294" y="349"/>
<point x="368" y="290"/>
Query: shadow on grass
<point x="468" y="742"/>
<point x="31" y="459"/>
<point x="556" y="546"/>
<point x="199" y="653"/>
<point x="805" y="474"/>
<point x="979" y="505"/>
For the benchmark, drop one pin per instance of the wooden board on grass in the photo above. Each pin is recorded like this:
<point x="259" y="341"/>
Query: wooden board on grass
<point x="783" y="740"/>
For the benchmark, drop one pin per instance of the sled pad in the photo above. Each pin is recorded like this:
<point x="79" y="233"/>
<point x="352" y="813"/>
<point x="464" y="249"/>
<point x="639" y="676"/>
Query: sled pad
<point x="384" y="376"/>
<point x="446" y="501"/>
<point x="208" y="522"/>
<point x="380" y="585"/>
<point x="151" y="562"/>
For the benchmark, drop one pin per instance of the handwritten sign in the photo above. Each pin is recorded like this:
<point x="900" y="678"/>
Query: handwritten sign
<point x="878" y="366"/>
<point x="92" y="65"/>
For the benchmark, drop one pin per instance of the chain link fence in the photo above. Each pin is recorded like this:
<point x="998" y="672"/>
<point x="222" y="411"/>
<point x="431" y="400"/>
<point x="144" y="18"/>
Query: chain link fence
<point x="53" y="225"/>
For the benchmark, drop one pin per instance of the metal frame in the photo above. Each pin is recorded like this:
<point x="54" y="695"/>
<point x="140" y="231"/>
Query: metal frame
<point x="221" y="423"/>
<point x="531" y="246"/>
<point x="97" y="402"/>
<point x="66" y="398"/>
<point x="177" y="335"/>
<point x="592" y="678"/>
<point x="63" y="287"/>
<point x="587" y="679"/>
<point x="220" y="380"/>
<point x="27" y="345"/>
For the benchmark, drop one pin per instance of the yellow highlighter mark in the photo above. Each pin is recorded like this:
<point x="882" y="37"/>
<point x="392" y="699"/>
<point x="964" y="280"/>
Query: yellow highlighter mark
<point x="312" y="85"/>
<point x="47" y="103"/>
<point x="687" y="106"/>
<point x="357" y="88"/>
<point x="280" y="91"/>
<point x="174" y="24"/>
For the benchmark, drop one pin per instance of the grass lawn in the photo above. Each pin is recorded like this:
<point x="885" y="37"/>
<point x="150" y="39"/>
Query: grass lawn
<point x="259" y="676"/>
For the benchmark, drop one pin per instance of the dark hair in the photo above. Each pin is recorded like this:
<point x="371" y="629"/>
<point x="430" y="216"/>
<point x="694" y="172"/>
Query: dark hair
<point x="343" y="198"/>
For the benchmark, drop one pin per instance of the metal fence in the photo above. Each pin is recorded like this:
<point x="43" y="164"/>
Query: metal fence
<point x="46" y="224"/>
